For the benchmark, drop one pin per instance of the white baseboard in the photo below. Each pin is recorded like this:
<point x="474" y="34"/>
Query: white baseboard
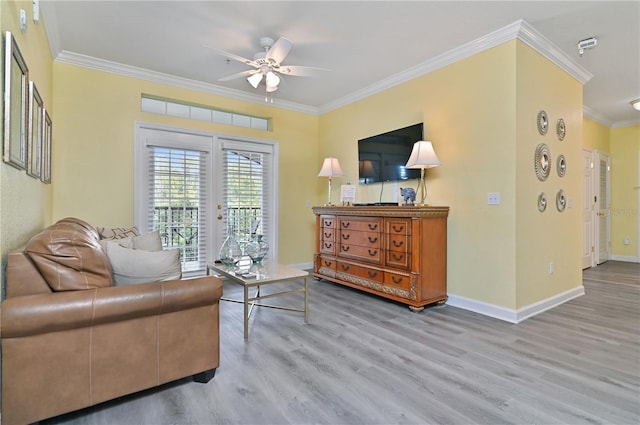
<point x="626" y="258"/>
<point x="510" y="315"/>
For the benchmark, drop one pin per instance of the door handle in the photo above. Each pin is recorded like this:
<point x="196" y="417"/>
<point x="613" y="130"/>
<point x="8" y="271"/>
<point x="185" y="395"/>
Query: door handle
<point x="219" y="216"/>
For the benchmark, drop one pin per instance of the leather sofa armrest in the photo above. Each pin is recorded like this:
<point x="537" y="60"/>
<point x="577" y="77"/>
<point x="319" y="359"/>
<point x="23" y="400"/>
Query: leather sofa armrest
<point x="43" y="313"/>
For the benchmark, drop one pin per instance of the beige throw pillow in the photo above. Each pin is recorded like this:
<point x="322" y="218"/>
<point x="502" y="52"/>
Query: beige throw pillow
<point x="131" y="266"/>
<point x="147" y="242"/>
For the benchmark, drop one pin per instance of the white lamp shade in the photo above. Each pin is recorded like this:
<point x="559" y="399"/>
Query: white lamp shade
<point x="255" y="79"/>
<point x="423" y="156"/>
<point x="330" y="168"/>
<point x="636" y="104"/>
<point x="272" y="79"/>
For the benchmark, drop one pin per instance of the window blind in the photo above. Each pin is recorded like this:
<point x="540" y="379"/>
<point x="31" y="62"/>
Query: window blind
<point x="247" y="193"/>
<point x="177" y="205"/>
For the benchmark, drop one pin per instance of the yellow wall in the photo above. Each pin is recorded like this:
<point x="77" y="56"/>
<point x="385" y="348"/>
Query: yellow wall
<point x="551" y="236"/>
<point x="94" y="139"/>
<point x="625" y="188"/>
<point x="480" y="114"/>
<point x="25" y="203"/>
<point x="596" y="136"/>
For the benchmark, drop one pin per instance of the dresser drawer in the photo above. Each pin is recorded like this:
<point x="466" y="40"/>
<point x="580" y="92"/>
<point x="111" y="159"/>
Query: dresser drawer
<point x="327" y="247"/>
<point x="397" y="280"/>
<point x="327" y="263"/>
<point x="355" y="237"/>
<point x="398" y="226"/>
<point x="363" y="253"/>
<point x="398" y="259"/>
<point x="328" y="221"/>
<point x="364" y="224"/>
<point x="328" y="234"/>
<point x="361" y="271"/>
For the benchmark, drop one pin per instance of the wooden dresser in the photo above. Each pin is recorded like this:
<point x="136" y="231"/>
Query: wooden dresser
<point x="396" y="252"/>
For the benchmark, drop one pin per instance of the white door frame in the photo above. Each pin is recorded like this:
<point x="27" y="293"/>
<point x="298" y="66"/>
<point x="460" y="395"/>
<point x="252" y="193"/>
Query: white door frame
<point x="602" y="207"/>
<point x="588" y="212"/>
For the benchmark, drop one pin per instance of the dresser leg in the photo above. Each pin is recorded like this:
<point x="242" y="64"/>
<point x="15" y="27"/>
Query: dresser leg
<point x="416" y="309"/>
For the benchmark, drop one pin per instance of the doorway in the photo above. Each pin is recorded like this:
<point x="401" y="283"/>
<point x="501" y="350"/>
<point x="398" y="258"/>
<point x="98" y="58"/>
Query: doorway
<point x="596" y="216"/>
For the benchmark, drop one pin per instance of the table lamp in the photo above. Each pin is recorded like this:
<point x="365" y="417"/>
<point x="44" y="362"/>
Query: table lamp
<point x="423" y="156"/>
<point x="330" y="168"/>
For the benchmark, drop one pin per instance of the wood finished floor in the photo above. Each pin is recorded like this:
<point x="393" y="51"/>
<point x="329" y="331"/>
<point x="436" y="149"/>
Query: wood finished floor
<point x="363" y="360"/>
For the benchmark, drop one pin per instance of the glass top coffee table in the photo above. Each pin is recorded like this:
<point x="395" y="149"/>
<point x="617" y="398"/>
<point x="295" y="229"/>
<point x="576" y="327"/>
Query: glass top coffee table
<point x="258" y="275"/>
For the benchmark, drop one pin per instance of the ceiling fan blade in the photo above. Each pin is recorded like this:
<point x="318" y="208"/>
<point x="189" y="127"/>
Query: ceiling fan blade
<point x="246" y="73"/>
<point x="233" y="56"/>
<point x="301" y="71"/>
<point x="279" y="50"/>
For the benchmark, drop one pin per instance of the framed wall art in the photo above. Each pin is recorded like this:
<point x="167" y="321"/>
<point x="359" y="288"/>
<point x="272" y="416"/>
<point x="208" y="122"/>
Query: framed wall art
<point x="46" y="148"/>
<point x="36" y="127"/>
<point x="16" y="100"/>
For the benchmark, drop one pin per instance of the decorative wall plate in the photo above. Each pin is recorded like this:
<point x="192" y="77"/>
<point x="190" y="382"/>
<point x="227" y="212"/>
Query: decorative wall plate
<point x="560" y="129"/>
<point x="561" y="200"/>
<point x="561" y="166"/>
<point x="542" y="202"/>
<point x="542" y="161"/>
<point x="543" y="122"/>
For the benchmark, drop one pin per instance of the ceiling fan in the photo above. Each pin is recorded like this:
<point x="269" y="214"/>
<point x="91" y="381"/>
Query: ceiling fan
<point x="268" y="64"/>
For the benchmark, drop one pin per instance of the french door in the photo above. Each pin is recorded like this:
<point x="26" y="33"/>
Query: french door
<point x="195" y="188"/>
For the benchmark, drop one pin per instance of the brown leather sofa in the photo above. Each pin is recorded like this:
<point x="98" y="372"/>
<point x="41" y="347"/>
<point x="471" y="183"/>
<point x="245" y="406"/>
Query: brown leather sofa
<point x="87" y="341"/>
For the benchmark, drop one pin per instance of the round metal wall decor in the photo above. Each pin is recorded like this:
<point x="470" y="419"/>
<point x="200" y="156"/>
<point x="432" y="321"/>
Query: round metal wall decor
<point x="542" y="161"/>
<point x="561" y="200"/>
<point x="561" y="129"/>
<point x="543" y="122"/>
<point x="561" y="166"/>
<point x="542" y="202"/>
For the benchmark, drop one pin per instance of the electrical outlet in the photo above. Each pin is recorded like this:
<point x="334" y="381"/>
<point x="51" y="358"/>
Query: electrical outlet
<point x="627" y="240"/>
<point x="493" y="198"/>
<point x="552" y="268"/>
<point x="308" y="203"/>
<point x="23" y="20"/>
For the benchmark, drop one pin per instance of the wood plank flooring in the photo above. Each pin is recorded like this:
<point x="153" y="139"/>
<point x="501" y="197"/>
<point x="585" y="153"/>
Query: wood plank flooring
<point x="364" y="360"/>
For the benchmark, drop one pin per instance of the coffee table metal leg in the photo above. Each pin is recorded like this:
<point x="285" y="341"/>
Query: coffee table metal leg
<point x="246" y="311"/>
<point x="306" y="300"/>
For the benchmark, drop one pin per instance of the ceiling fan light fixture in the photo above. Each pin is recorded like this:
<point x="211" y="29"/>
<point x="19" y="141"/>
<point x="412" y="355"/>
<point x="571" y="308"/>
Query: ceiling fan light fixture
<point x="635" y="104"/>
<point x="272" y="79"/>
<point x="255" y="79"/>
<point x="271" y="89"/>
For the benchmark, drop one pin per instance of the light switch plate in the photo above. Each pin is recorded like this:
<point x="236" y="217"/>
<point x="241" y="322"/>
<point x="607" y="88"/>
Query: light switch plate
<point x="493" y="198"/>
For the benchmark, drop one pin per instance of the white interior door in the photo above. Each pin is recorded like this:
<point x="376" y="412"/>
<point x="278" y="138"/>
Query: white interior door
<point x="588" y="246"/>
<point x="603" y="200"/>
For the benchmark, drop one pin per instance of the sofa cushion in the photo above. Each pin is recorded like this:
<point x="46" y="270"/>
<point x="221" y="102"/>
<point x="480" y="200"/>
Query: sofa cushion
<point x="69" y="257"/>
<point x="147" y="242"/>
<point x="131" y="266"/>
<point x="117" y="232"/>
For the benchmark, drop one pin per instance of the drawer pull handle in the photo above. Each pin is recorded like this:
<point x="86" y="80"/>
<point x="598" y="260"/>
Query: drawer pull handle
<point x="374" y="253"/>
<point x="398" y="244"/>
<point x="345" y="248"/>
<point x="327" y="263"/>
<point x="398" y="229"/>
<point x="344" y="268"/>
<point x="346" y="237"/>
<point x="327" y="223"/>
<point x="327" y="245"/>
<point x="396" y="280"/>
<point x="327" y="235"/>
<point x="397" y="257"/>
<point x="373" y="226"/>
<point x="373" y="239"/>
<point x="346" y="224"/>
<point x="372" y="274"/>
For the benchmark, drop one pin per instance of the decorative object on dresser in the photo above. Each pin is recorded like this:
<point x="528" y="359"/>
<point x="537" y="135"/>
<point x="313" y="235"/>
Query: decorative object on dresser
<point x="423" y="156"/>
<point x="330" y="168"/>
<point x="399" y="253"/>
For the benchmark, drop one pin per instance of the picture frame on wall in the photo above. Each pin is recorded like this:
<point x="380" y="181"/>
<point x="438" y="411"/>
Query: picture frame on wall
<point x="16" y="100"/>
<point x="46" y="147"/>
<point x="36" y="129"/>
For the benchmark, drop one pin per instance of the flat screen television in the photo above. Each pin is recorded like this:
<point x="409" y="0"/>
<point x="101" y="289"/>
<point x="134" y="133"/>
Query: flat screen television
<point x="382" y="157"/>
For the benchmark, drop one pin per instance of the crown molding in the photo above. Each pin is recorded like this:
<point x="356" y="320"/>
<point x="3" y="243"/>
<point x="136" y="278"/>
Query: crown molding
<point x="629" y="123"/>
<point x="159" y="77"/>
<point x="518" y="30"/>
<point x="596" y="116"/>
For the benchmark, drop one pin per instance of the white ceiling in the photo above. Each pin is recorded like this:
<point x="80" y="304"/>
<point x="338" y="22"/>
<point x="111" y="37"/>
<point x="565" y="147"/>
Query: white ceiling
<point x="361" y="42"/>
